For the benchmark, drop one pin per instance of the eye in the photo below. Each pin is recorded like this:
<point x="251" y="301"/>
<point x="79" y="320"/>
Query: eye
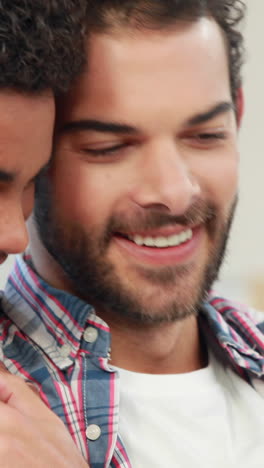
<point x="211" y="136"/>
<point x="206" y="140"/>
<point x="105" y="151"/>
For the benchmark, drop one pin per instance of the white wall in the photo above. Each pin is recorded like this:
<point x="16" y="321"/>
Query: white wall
<point x="246" y="253"/>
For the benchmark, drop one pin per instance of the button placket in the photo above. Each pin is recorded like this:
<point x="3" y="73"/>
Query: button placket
<point x="93" y="432"/>
<point x="90" y="335"/>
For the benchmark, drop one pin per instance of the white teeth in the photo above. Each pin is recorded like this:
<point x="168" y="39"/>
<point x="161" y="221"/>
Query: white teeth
<point x="173" y="240"/>
<point x="149" y="242"/>
<point x="138" y="240"/>
<point x="184" y="236"/>
<point x="162" y="242"/>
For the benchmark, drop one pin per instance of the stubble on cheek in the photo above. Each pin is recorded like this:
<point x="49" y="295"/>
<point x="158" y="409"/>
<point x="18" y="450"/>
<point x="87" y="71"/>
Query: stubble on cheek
<point x="142" y="294"/>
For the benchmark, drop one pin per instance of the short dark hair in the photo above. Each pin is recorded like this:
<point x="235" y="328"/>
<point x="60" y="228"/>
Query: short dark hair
<point x="104" y="15"/>
<point x="41" y="45"/>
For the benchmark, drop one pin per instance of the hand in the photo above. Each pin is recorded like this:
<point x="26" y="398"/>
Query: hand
<point x="31" y="435"/>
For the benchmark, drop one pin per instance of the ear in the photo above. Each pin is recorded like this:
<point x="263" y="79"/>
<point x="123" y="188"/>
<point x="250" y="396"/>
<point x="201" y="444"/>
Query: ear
<point x="239" y="106"/>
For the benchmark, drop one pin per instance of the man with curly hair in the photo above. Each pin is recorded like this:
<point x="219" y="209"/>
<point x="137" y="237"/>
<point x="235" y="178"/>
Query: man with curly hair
<point x="41" y="52"/>
<point x="110" y="312"/>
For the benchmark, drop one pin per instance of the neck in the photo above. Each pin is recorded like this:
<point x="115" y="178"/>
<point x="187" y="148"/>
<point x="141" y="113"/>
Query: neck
<point x="45" y="265"/>
<point x="169" y="348"/>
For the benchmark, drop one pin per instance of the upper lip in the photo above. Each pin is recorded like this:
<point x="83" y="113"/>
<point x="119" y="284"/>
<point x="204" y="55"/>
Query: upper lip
<point x="161" y="232"/>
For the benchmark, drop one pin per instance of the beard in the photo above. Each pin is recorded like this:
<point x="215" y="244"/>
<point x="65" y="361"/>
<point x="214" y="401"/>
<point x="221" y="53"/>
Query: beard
<point x="82" y="255"/>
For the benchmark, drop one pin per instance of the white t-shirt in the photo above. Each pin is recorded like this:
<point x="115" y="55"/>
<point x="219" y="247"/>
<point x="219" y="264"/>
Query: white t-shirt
<point x="210" y="418"/>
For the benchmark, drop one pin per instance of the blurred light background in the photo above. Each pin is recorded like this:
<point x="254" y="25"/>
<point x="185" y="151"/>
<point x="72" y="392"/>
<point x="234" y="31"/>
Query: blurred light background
<point x="242" y="276"/>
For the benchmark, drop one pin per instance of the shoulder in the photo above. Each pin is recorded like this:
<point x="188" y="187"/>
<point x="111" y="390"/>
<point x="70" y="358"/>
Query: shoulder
<point x="240" y="333"/>
<point x="231" y="310"/>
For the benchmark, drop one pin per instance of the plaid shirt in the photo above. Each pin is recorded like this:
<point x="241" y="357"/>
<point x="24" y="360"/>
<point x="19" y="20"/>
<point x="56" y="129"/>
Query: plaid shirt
<point x="56" y="341"/>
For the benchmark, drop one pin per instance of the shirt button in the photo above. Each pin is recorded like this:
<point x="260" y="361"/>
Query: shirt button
<point x="65" y="350"/>
<point x="90" y="335"/>
<point x="93" y="432"/>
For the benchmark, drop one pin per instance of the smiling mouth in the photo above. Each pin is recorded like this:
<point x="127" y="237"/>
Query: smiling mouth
<point x="160" y="242"/>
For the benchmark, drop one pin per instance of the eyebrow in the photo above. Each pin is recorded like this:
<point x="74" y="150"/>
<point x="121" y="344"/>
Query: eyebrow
<point x="86" y="125"/>
<point x="6" y="176"/>
<point x="218" y="109"/>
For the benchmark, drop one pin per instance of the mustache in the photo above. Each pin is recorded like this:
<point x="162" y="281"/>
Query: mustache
<point x="199" y="213"/>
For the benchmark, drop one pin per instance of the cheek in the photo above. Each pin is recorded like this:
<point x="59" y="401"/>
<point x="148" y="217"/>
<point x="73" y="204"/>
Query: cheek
<point x="219" y="180"/>
<point x="82" y="193"/>
<point x="227" y="185"/>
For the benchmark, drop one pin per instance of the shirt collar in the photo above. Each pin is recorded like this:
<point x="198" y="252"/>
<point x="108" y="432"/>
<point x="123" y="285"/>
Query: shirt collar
<point x="229" y="327"/>
<point x="55" y="320"/>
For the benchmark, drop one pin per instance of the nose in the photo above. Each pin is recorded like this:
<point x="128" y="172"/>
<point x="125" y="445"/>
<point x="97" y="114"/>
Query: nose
<point x="165" y="179"/>
<point x="13" y="230"/>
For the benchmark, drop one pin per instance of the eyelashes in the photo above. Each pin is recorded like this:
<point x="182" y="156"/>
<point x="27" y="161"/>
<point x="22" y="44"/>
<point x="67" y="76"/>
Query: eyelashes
<point x="105" y="151"/>
<point x="199" y="140"/>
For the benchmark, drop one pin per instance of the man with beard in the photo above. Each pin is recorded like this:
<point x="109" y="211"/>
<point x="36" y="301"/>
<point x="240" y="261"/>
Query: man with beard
<point x="38" y="60"/>
<point x="110" y="311"/>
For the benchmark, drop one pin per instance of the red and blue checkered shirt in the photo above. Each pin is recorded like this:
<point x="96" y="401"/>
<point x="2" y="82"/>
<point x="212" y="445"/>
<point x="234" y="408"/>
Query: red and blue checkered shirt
<point x="57" y="341"/>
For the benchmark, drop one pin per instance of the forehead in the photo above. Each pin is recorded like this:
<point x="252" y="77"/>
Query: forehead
<point x="185" y="68"/>
<point x="26" y="126"/>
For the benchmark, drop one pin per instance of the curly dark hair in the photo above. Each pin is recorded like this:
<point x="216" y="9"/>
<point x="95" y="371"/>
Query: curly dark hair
<point x="104" y="15"/>
<point x="41" y="44"/>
